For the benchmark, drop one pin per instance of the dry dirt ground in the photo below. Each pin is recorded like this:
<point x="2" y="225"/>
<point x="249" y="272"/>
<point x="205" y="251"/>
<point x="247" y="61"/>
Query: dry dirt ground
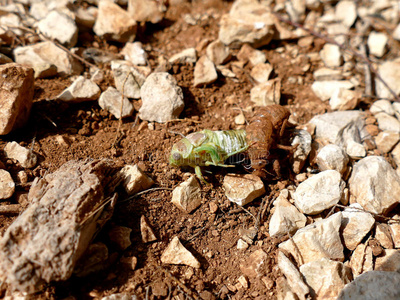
<point x="212" y="237"/>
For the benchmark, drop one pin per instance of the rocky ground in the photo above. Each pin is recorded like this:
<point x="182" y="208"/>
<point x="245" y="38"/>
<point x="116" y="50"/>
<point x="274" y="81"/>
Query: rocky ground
<point x="94" y="94"/>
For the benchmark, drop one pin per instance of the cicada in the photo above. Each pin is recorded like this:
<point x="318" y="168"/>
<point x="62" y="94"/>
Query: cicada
<point x="214" y="148"/>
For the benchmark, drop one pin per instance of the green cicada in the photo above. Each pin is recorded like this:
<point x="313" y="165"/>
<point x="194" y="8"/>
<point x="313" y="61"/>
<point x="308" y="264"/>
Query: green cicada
<point x="208" y="148"/>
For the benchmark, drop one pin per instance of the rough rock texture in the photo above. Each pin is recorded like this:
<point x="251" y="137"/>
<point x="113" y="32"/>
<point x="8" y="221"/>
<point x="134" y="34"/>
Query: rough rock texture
<point x="187" y="196"/>
<point x="253" y="265"/>
<point x="332" y="157"/>
<point x="127" y="78"/>
<point x="390" y="72"/>
<point x="80" y="90"/>
<point x="24" y="156"/>
<point x="134" y="179"/>
<point x="177" y="254"/>
<point x="44" y="243"/>
<point x="361" y="260"/>
<point x="204" y="72"/>
<point x="16" y="95"/>
<point x="146" y="10"/>
<point x="110" y="100"/>
<point x="268" y="93"/>
<point x="243" y="189"/>
<point x="303" y="141"/>
<point x="7" y="185"/>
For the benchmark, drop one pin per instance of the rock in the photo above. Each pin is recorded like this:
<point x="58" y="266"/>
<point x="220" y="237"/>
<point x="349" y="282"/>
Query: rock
<point x="377" y="43"/>
<point x="346" y="13"/>
<point x="188" y="55"/>
<point x="325" y="277"/>
<point x="42" y="57"/>
<point x="386" y="140"/>
<point x="85" y="17"/>
<point x="384" y="106"/>
<point x="128" y="78"/>
<point x="146" y="10"/>
<point x="332" y="157"/>
<point x="249" y="234"/>
<point x="361" y="260"/>
<point x="266" y="94"/>
<point x="218" y="53"/>
<point x="130" y="261"/>
<point x="396" y="33"/>
<point x="387" y="122"/>
<point x="383" y="235"/>
<point x="99" y="56"/>
<point x="120" y="296"/>
<point x="24" y="156"/>
<point x="242" y="189"/>
<point x="355" y="150"/>
<point x="110" y="100"/>
<point x="251" y="55"/>
<point x="177" y="254"/>
<point x="7" y="185"/>
<point x="395" y="230"/>
<point x="343" y="99"/>
<point x="80" y="90"/>
<point x="162" y="98"/>
<point x="315" y="241"/>
<point x="240" y="119"/>
<point x="331" y="56"/>
<point x="134" y="53"/>
<point x="325" y="89"/>
<point x="248" y="21"/>
<point x="375" y="185"/>
<point x="389" y="262"/>
<point x="285" y="219"/>
<point x="355" y="225"/>
<point x="16" y="94"/>
<point x="242" y="245"/>
<point x="243" y="282"/>
<point x="303" y="139"/>
<point x="146" y="231"/>
<point x="5" y="59"/>
<point x="373" y="285"/>
<point x="120" y="236"/>
<point x="319" y="192"/>
<point x="253" y="265"/>
<point x="60" y="27"/>
<point x="326" y="74"/>
<point x="204" y="72"/>
<point x="296" y="10"/>
<point x="390" y="73"/>
<point x="293" y="276"/>
<point x="396" y="155"/>
<point x="134" y="180"/>
<point x="261" y="72"/>
<point x="115" y="24"/>
<point x="186" y="196"/>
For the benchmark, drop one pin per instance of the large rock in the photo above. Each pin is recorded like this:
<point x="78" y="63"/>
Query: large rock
<point x="315" y="241"/>
<point x="390" y="73"/>
<point x="375" y="185"/>
<point x="247" y="22"/>
<point x="162" y="98"/>
<point x="16" y="96"/>
<point x="320" y="192"/>
<point x="114" y="23"/>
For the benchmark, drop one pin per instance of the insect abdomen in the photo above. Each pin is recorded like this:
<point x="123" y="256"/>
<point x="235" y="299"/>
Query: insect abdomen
<point x="229" y="140"/>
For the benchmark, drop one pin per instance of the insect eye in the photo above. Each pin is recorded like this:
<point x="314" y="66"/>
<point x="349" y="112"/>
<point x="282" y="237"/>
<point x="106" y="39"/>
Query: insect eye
<point x="176" y="156"/>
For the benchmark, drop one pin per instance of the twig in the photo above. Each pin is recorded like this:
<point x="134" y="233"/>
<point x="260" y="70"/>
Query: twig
<point x="342" y="47"/>
<point x="144" y="192"/>
<point x="10" y="209"/>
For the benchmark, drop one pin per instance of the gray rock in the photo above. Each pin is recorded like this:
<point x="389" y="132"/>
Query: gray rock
<point x="80" y="90"/>
<point x="58" y="26"/>
<point x="303" y="139"/>
<point x="375" y="185"/>
<point x="162" y="98"/>
<point x="373" y="285"/>
<point x="188" y="55"/>
<point x="24" y="156"/>
<point x="332" y="157"/>
<point x="127" y="78"/>
<point x="384" y="106"/>
<point x="390" y="73"/>
<point x="386" y="140"/>
<point x="387" y="122"/>
<point x="377" y="43"/>
<point x="204" y="72"/>
<point x="218" y="53"/>
<point x="110" y="100"/>
<point x="325" y="89"/>
<point x="135" y="53"/>
<point x="7" y="185"/>
<point x="267" y="93"/>
<point x="243" y="189"/>
<point x="177" y="254"/>
<point x="186" y="196"/>
<point x="331" y="56"/>
<point x="16" y="94"/>
<point x="319" y="192"/>
<point x="315" y="241"/>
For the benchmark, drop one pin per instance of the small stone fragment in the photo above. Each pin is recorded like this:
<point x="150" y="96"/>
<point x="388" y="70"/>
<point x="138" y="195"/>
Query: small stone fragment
<point x="346" y="12"/>
<point x="267" y="93"/>
<point x="319" y="192"/>
<point x="242" y="245"/>
<point x="248" y="235"/>
<point x="177" y="254"/>
<point x="120" y="236"/>
<point x="204" y="72"/>
<point x="332" y="157"/>
<point x="218" y="53"/>
<point x="130" y="261"/>
<point x="355" y="150"/>
<point x="389" y="262"/>
<point x="146" y="10"/>
<point x="128" y="78"/>
<point x="5" y="59"/>
<point x="110" y="100"/>
<point x="324" y="74"/>
<point x="162" y="98"/>
<point x="120" y="296"/>
<point x="325" y="89"/>
<point x="188" y="55"/>
<point x="243" y="281"/>
<point x="377" y="43"/>
<point x="58" y="26"/>
<point x="80" y="90"/>
<point x="85" y="17"/>
<point x="242" y="189"/>
<point x="114" y="23"/>
<point x="386" y="140"/>
<point x="387" y="122"/>
<point x="7" y="185"/>
<point x="134" y="53"/>
<point x="375" y="185"/>
<point x="343" y="99"/>
<point x="186" y="196"/>
<point x="251" y="55"/>
<point x="383" y="235"/>
<point x="361" y="260"/>
<point x="383" y="105"/>
<point x="146" y="230"/>
<point x="390" y="72"/>
<point x="252" y="267"/>
<point x="16" y="94"/>
<point x="303" y="141"/>
<point x="331" y="56"/>
<point x="317" y="240"/>
<point x="395" y="230"/>
<point x="261" y="72"/>
<point x="24" y="156"/>
<point x="240" y="119"/>
<point x="134" y="179"/>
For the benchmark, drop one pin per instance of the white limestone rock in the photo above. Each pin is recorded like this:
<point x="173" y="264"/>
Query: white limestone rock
<point x="355" y="150"/>
<point x="261" y="72"/>
<point x="80" y="90"/>
<point x="323" y="74"/>
<point x="204" y="72"/>
<point x="162" y="98"/>
<point x="267" y="93"/>
<point x="386" y="140"/>
<point x="134" y="53"/>
<point x="375" y="185"/>
<point x="146" y="231"/>
<point x="346" y="12"/>
<point x="383" y="235"/>
<point x="186" y="196"/>
<point x="395" y="230"/>
<point x="377" y="43"/>
<point x="331" y="55"/>
<point x="384" y="106"/>
<point x="134" y="180"/>
<point x="243" y="189"/>
<point x="361" y="260"/>
<point x="110" y="100"/>
<point x="387" y="122"/>
<point x="218" y="53"/>
<point x="303" y="139"/>
<point x="389" y="261"/>
<point x="343" y="99"/>
<point x="26" y="157"/>
<point x="128" y="78"/>
<point x="188" y="55"/>
<point x="7" y="185"/>
<point x="332" y="157"/>
<point x="251" y="55"/>
<point x="390" y="73"/>
<point x="325" y="89"/>
<point x="146" y="10"/>
<point x="177" y="254"/>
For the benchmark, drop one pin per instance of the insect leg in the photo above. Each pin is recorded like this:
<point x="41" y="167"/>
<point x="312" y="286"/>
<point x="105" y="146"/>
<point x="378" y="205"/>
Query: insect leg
<point x="199" y="175"/>
<point x="211" y="150"/>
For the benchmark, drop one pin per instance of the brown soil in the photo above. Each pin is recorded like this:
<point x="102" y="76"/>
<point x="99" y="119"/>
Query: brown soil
<point x="212" y="237"/>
